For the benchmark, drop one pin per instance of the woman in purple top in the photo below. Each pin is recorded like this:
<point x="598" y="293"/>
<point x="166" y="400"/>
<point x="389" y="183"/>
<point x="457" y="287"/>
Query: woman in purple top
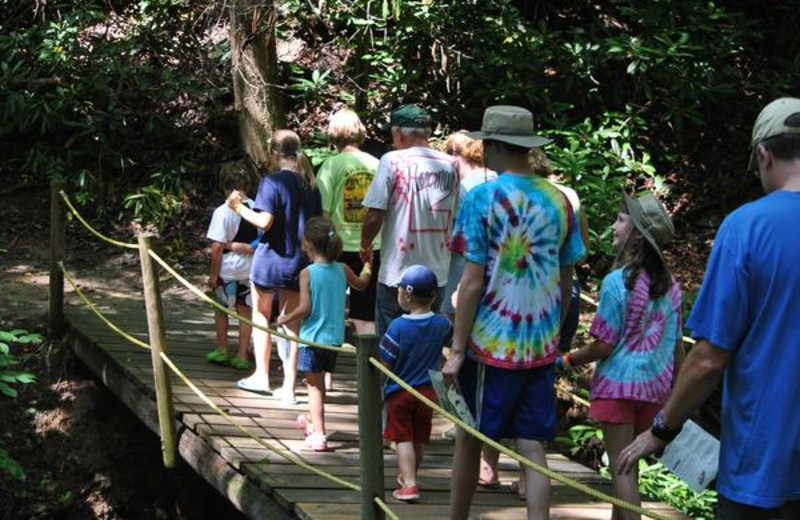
<point x="286" y="199"/>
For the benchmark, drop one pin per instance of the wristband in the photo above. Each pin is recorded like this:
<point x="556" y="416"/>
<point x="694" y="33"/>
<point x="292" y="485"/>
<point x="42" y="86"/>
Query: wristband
<point x="565" y="362"/>
<point x="660" y="430"/>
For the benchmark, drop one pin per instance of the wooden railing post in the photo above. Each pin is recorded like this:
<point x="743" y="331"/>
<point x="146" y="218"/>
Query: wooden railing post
<point x="158" y="344"/>
<point x="57" y="230"/>
<point x="370" y="436"/>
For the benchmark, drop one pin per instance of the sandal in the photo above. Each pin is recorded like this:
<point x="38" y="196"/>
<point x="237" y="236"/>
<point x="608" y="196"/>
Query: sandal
<point x="516" y="490"/>
<point x="241" y="364"/>
<point x="247" y="384"/>
<point x="218" y="357"/>
<point x="489" y="484"/>
<point x="284" y="397"/>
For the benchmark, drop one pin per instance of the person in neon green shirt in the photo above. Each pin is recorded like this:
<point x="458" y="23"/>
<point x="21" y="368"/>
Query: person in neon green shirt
<point x="343" y="181"/>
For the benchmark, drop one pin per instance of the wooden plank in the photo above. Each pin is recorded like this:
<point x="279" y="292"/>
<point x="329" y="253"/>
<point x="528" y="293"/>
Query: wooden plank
<point x="574" y="511"/>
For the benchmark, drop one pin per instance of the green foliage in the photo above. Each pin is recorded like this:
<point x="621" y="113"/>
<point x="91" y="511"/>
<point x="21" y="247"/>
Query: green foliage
<point x="580" y="436"/>
<point x="675" y="79"/>
<point x="10" y="466"/>
<point x="599" y="158"/>
<point x="8" y="360"/>
<point x="10" y="376"/>
<point x="658" y="482"/>
<point x="319" y="149"/>
<point x="108" y="95"/>
<point x="161" y="200"/>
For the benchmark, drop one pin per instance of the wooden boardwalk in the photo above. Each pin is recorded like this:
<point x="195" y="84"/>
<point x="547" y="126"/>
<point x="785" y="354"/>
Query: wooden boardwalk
<point x="257" y="481"/>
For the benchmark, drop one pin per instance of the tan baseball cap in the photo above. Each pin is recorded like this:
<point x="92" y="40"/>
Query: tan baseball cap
<point x="771" y="122"/>
<point x="509" y="124"/>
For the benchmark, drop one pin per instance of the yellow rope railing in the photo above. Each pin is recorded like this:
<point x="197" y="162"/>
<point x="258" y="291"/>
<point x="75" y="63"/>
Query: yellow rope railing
<point x="514" y="455"/>
<point x="92" y="230"/>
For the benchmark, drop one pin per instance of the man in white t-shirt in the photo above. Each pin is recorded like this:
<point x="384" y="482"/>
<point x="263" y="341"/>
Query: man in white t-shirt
<point x="412" y="201"/>
<point x="233" y="242"/>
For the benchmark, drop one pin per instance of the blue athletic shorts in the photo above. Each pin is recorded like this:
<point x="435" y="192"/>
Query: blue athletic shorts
<point x="314" y="360"/>
<point x="510" y="404"/>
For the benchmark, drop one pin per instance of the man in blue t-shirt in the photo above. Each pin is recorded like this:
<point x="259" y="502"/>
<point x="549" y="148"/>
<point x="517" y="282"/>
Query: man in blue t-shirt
<point x="745" y="319"/>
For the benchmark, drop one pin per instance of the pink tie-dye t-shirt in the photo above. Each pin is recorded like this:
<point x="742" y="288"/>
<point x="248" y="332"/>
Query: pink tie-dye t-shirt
<point x="643" y="332"/>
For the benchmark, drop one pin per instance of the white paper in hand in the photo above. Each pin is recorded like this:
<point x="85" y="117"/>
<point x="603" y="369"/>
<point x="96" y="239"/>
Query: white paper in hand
<point x="450" y="398"/>
<point x="693" y="456"/>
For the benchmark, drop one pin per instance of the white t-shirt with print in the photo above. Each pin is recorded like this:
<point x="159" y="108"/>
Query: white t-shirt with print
<point x="223" y="228"/>
<point x="418" y="189"/>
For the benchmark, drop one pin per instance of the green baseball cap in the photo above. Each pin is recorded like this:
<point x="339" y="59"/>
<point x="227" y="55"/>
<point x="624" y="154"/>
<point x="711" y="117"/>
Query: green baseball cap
<point x="410" y="116"/>
<point x="771" y="122"/>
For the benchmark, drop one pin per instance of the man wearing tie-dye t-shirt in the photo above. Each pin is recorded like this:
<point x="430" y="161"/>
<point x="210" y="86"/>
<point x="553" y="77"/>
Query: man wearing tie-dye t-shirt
<point x="521" y="239"/>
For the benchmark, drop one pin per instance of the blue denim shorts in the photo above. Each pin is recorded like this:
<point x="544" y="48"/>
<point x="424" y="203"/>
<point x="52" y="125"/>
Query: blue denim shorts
<point x="314" y="360"/>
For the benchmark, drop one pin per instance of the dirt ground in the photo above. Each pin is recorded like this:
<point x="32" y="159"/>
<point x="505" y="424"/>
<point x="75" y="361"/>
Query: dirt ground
<point x="86" y="457"/>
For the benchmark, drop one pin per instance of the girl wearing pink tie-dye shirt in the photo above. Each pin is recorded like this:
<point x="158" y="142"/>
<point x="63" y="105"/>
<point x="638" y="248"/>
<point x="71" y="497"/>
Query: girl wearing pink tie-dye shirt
<point x="637" y="332"/>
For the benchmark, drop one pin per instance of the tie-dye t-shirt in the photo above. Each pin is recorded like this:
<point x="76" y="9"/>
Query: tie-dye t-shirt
<point x="522" y="230"/>
<point x="643" y="332"/>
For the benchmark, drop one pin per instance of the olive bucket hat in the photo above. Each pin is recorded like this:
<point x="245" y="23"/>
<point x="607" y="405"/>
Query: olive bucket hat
<point x="651" y="219"/>
<point x="511" y="125"/>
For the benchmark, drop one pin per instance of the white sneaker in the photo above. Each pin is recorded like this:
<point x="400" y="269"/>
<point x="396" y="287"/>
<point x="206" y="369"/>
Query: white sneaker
<point x="317" y="442"/>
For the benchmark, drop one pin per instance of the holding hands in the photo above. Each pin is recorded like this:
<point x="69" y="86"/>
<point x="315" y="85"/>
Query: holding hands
<point x="235" y="201"/>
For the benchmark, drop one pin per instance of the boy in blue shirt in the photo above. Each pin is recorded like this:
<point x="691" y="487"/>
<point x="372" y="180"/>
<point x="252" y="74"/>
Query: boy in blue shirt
<point x="411" y="346"/>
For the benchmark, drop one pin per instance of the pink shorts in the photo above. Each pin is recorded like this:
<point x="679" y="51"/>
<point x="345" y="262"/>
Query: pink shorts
<point x="625" y="411"/>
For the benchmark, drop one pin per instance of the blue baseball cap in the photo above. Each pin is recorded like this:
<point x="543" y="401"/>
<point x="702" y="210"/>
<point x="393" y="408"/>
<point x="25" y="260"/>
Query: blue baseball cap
<point x="419" y="281"/>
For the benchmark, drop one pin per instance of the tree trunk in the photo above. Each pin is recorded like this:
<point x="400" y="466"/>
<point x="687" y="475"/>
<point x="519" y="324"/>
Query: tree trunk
<point x="255" y="72"/>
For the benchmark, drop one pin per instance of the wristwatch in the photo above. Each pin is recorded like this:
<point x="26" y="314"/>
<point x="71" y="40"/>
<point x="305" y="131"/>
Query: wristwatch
<point x="660" y="430"/>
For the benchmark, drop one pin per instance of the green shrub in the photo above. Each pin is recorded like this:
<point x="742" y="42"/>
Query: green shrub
<point x="9" y="377"/>
<point x="8" y="360"/>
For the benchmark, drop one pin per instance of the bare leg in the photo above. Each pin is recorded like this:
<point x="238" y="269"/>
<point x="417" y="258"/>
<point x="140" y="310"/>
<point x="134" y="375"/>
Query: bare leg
<point x="419" y="452"/>
<point x="221" y="324"/>
<point x="407" y="463"/>
<point x="466" y="458"/>
<point x="316" y="400"/>
<point x="245" y="330"/>
<point x="364" y="327"/>
<point x="537" y="486"/>
<point x="289" y="300"/>
<point x="489" y="460"/>
<point x="626" y="487"/>
<point x="328" y="381"/>
<point x="262" y="313"/>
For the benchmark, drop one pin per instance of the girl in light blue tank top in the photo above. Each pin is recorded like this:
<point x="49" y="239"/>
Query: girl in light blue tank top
<point x="323" y="286"/>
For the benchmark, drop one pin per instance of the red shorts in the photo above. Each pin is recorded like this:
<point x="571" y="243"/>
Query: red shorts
<point x="408" y="419"/>
<point x="625" y="411"/>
